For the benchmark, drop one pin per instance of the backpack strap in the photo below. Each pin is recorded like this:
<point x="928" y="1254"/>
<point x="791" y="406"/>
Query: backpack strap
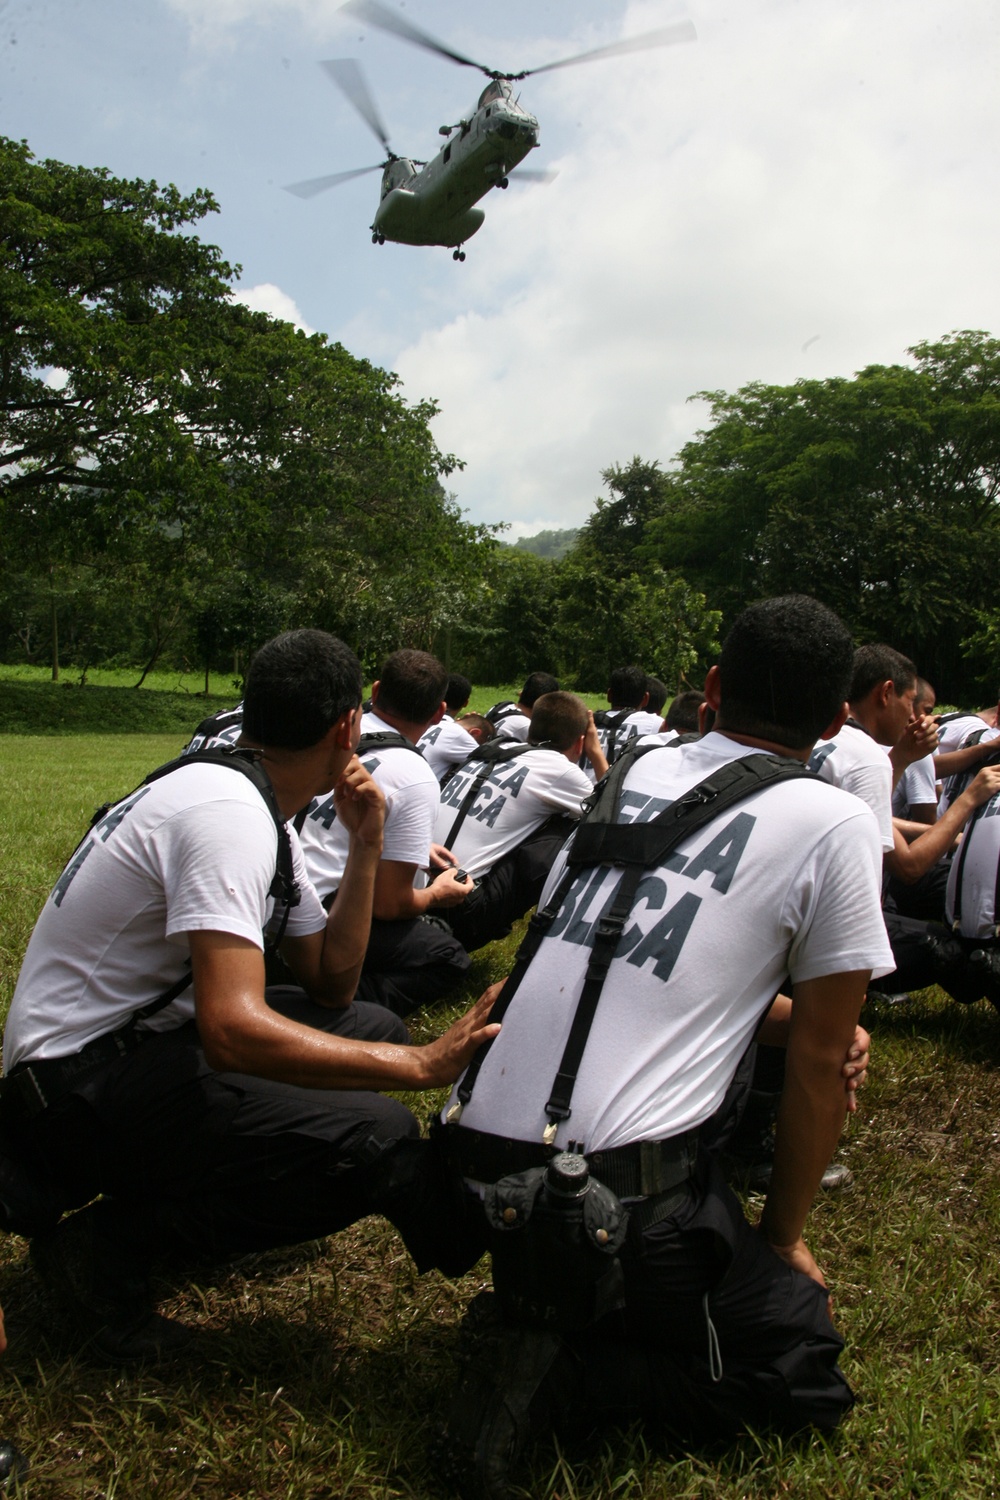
<point x="226" y="719"/>
<point x="638" y="847"/>
<point x="386" y="739"/>
<point x="611" y="719"/>
<point x="490" y="754"/>
<point x="283" y="888"/>
<point x="500" y="711"/>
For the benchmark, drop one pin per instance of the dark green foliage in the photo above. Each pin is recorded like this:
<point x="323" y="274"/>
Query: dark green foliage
<point x="877" y="495"/>
<point x="196" y="476"/>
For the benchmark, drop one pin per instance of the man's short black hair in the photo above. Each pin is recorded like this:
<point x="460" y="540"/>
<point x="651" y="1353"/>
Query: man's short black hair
<point x="457" y="692"/>
<point x="657" y="691"/>
<point x="627" y="687"/>
<point x="411" y="686"/>
<point x="537" y="684"/>
<point x="874" y="664"/>
<point x="558" y="719"/>
<point x="297" y="687"/>
<point x="784" y="671"/>
<point x="682" y="714"/>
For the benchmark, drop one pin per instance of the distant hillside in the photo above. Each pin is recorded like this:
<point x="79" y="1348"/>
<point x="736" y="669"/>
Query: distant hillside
<point x="548" y="543"/>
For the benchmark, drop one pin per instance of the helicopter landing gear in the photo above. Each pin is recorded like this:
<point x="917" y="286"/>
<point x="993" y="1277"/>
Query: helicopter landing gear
<point x="458" y="255"/>
<point x="504" y="182"/>
<point x="377" y="238"/>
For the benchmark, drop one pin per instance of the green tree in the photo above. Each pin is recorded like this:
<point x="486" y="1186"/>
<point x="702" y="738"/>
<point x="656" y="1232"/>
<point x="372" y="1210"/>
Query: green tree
<point x="877" y="494"/>
<point x="159" y="437"/>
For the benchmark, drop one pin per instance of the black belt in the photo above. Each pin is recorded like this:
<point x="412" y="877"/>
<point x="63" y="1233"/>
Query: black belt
<point x="642" y="1170"/>
<point x="32" y="1086"/>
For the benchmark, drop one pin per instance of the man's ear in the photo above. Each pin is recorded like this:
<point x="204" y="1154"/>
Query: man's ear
<point x="645" y="700"/>
<point x="343" y="730"/>
<point x="885" y="691"/>
<point x="836" y="724"/>
<point x="374" y="692"/>
<point x="576" y="749"/>
<point x="442" y="710"/>
<point x="712" y="689"/>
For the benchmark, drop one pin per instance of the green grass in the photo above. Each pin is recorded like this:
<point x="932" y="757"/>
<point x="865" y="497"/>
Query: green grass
<point x="320" y="1370"/>
<point x="167" y="703"/>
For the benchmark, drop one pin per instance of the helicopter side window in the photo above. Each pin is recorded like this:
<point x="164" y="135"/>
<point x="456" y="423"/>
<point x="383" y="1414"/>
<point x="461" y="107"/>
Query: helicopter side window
<point x="446" y="153"/>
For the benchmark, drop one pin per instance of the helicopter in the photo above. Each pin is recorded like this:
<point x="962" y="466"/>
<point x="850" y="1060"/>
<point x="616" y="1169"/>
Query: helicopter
<point x="434" y="202"/>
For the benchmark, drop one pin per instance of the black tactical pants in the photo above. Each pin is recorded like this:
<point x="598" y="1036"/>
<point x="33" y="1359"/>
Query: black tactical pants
<point x="718" y="1333"/>
<point x="220" y="1164"/>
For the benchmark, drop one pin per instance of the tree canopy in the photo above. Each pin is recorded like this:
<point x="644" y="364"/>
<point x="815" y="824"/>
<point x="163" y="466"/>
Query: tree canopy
<point x="876" y="494"/>
<point x="164" y="445"/>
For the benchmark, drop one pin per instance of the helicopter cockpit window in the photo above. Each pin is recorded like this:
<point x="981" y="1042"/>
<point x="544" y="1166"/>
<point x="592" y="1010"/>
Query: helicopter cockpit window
<point x="492" y="93"/>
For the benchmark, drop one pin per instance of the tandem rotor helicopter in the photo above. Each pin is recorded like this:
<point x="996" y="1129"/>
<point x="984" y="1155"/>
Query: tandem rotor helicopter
<point x="433" y="202"/>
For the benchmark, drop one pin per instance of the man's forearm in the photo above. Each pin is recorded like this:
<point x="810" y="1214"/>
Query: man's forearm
<point x="824" y="1016"/>
<point x="348" y="927"/>
<point x="908" y="862"/>
<point x="810" y="1119"/>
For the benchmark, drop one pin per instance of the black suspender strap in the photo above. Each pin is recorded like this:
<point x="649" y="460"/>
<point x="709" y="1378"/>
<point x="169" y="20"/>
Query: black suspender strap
<point x="493" y="752"/>
<point x="602" y="802"/>
<point x="638" y="847"/>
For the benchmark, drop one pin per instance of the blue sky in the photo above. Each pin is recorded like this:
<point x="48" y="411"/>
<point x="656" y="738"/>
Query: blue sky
<point x="810" y="187"/>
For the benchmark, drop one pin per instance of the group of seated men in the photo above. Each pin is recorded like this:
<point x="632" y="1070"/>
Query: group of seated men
<point x="209" y="1010"/>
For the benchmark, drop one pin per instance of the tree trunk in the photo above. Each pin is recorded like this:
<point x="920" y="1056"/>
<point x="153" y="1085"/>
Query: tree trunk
<point x="55" y="629"/>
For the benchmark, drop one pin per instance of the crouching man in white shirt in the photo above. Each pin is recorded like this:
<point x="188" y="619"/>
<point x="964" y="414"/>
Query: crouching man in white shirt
<point x="508" y="810"/>
<point x="714" y="1325"/>
<point x="147" y="1073"/>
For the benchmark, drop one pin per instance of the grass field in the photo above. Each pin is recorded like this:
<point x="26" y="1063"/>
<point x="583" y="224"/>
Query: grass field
<point x="167" y="703"/>
<point x="319" y="1372"/>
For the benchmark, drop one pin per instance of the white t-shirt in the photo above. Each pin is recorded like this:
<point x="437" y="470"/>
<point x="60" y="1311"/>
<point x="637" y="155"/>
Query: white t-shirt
<point x="854" y="762"/>
<point x="972" y="881"/>
<point x="952" y="736"/>
<point x="445" y="745"/>
<point x="956" y="783"/>
<point x="195" y="851"/>
<point x="227" y="726"/>
<point x="917" y="787"/>
<point x="785" y="883"/>
<point x="514" y="727"/>
<point x="412" y="797"/>
<point x="636" y="725"/>
<point x="515" y="799"/>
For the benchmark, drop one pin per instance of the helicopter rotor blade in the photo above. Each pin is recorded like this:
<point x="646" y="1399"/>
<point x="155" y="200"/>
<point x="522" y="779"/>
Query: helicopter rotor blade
<point x="667" y="36"/>
<point x="533" y="174"/>
<point x="314" y="185"/>
<point x="379" y="16"/>
<point x="347" y="75"/>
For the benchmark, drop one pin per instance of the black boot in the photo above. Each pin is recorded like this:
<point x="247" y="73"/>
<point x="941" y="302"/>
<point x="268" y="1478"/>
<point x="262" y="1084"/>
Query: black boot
<point x="513" y="1383"/>
<point x="97" y="1277"/>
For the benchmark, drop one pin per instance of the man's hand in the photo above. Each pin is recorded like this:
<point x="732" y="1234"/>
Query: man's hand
<point x="919" y="738"/>
<point x="446" y="890"/>
<point x="855" y="1069"/>
<point x="441" y="858"/>
<point x="985" y="785"/>
<point x="592" y="747"/>
<point x="360" y="805"/>
<point x="447" y="1058"/>
<point x="799" y="1257"/>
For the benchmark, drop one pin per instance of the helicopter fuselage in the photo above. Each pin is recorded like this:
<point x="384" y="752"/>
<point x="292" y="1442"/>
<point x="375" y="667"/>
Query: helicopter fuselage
<point x="435" y="205"/>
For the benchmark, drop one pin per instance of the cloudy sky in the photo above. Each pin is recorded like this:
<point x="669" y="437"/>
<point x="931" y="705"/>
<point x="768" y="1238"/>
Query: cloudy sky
<point x="808" y="188"/>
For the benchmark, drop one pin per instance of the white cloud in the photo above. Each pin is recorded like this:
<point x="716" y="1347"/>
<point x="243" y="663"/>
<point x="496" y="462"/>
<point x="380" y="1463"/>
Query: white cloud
<point x="803" y="171"/>
<point x="268" y="298"/>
